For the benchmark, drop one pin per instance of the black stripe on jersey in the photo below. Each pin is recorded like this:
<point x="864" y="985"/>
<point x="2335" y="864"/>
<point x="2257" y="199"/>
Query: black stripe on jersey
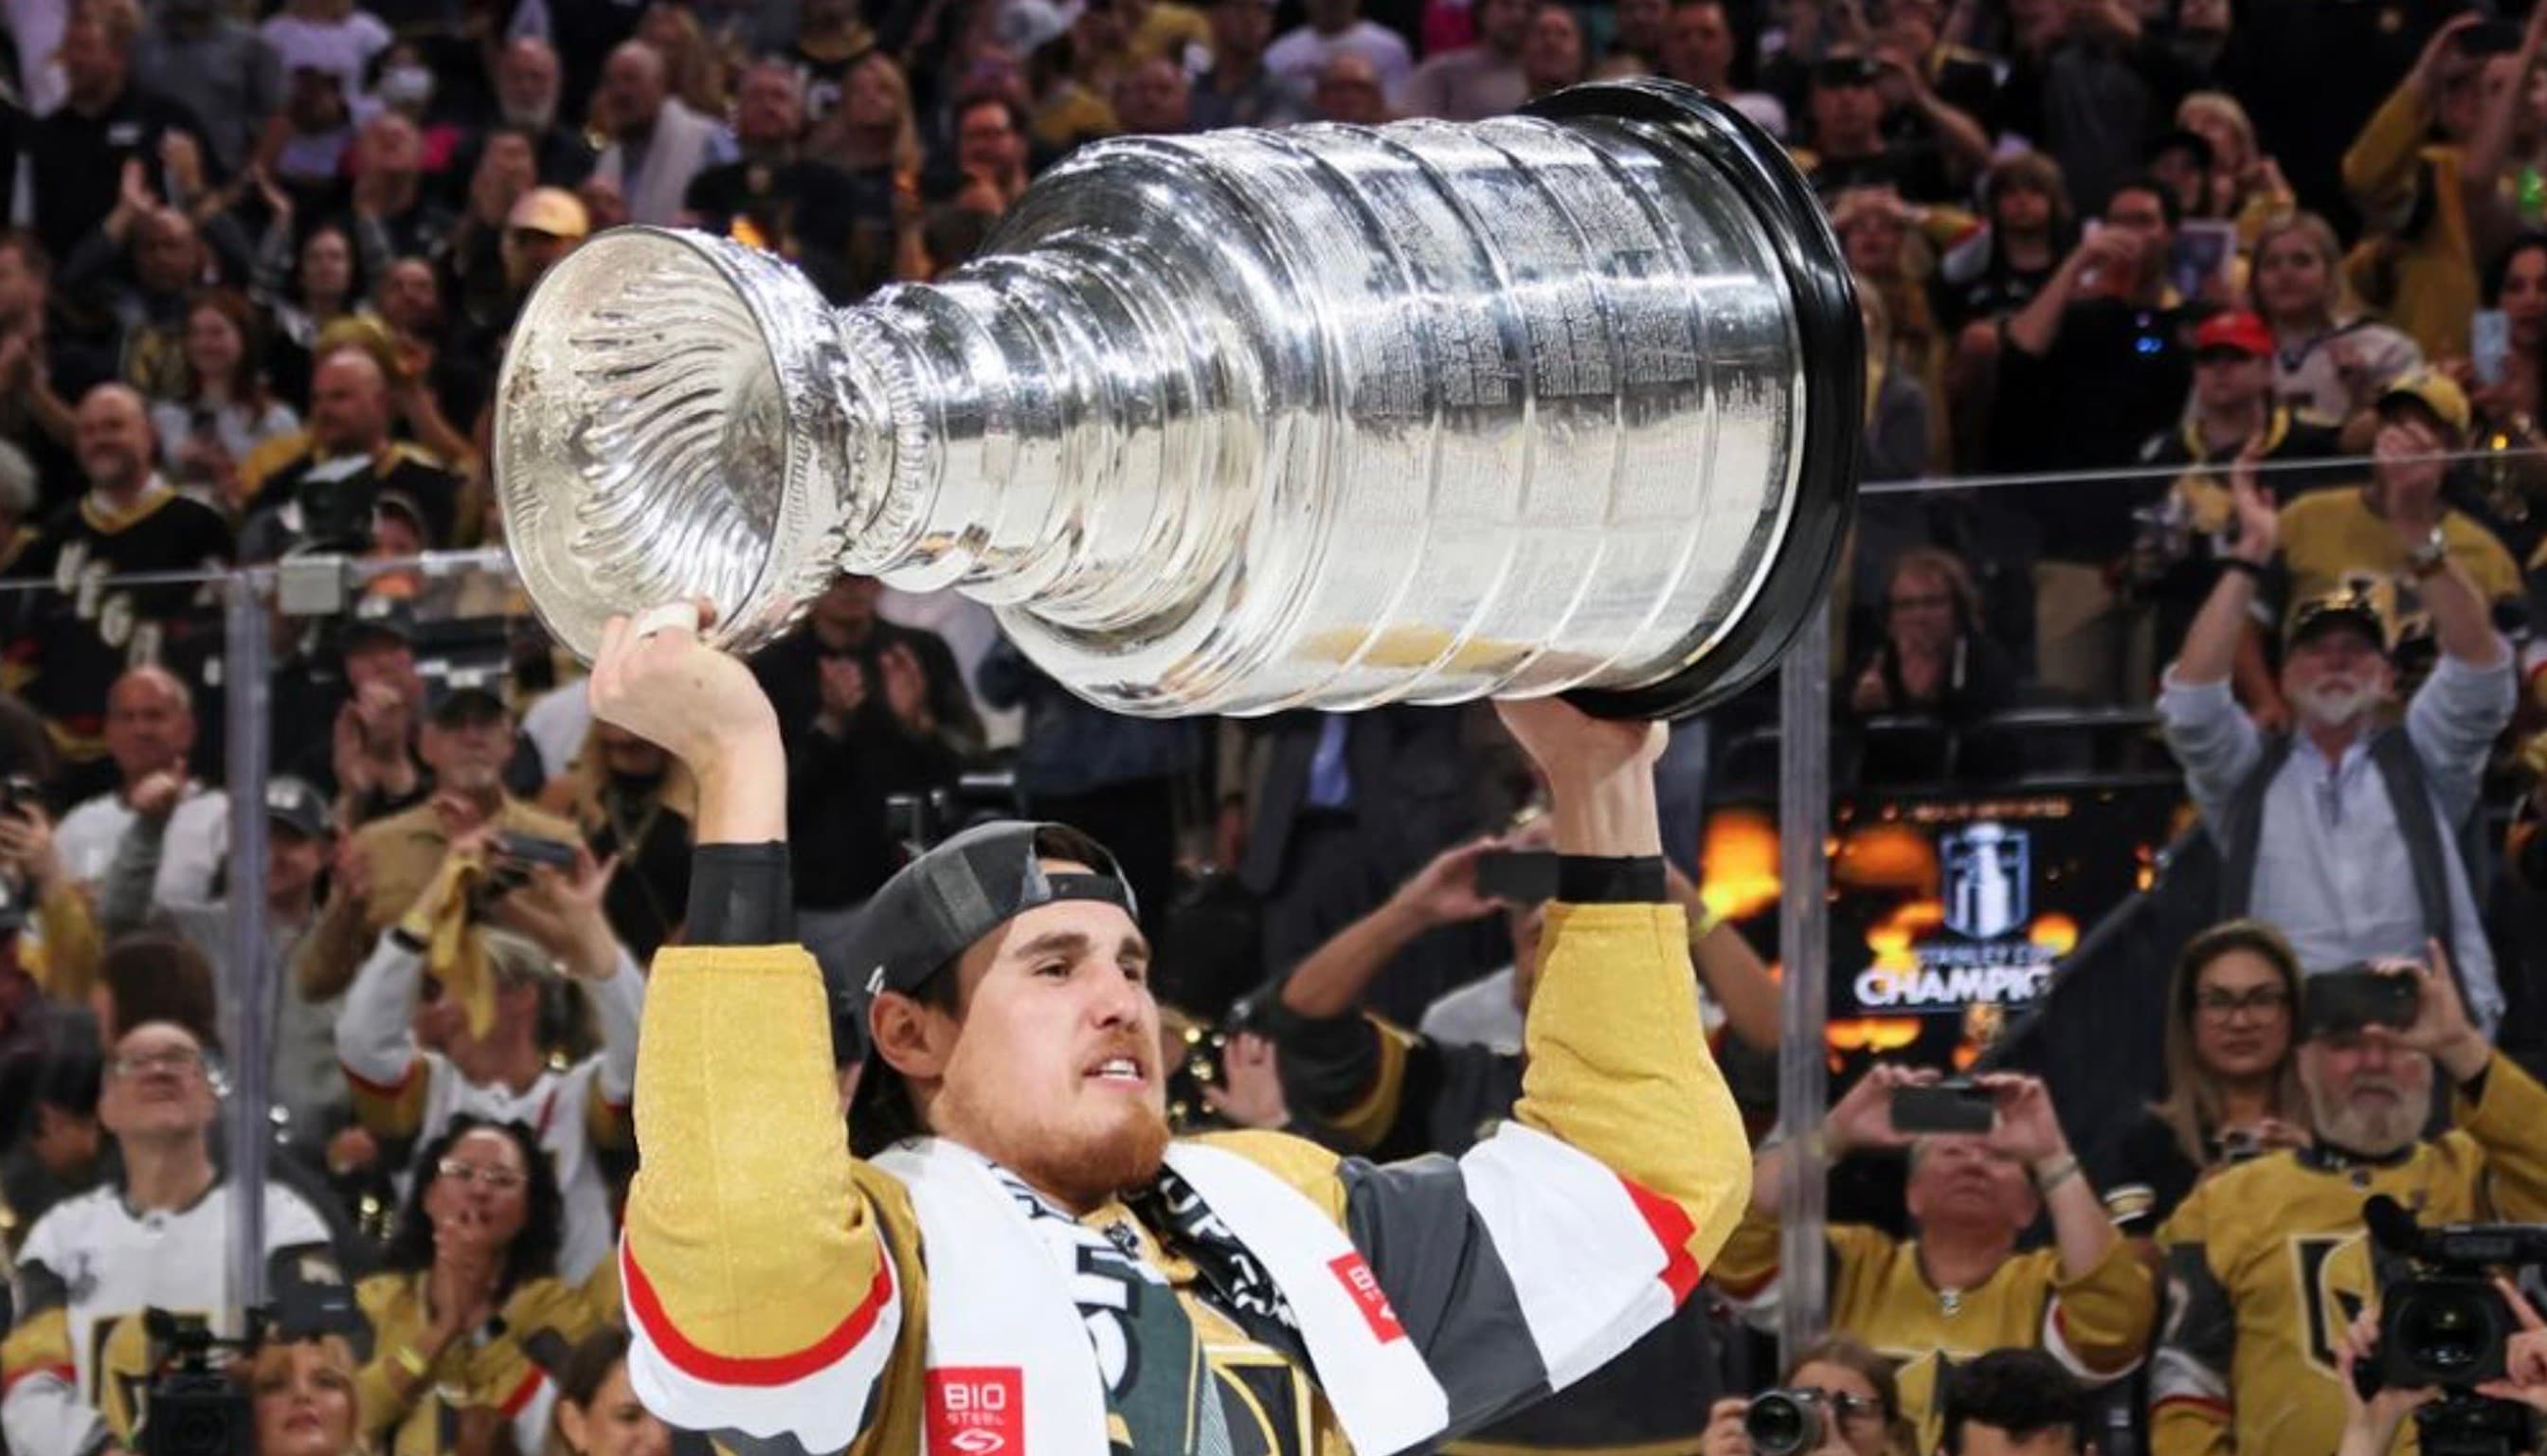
<point x="40" y="1289"/>
<point x="1445" y="1282"/>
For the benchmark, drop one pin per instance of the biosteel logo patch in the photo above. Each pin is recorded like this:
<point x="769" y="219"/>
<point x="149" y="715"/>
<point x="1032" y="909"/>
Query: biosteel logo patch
<point x="1363" y="1286"/>
<point x="976" y="1411"/>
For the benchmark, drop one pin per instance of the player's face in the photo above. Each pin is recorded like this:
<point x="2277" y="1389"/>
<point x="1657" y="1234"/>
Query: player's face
<point x="156" y="1085"/>
<point x="1054" y="1069"/>
<point x="305" y="1400"/>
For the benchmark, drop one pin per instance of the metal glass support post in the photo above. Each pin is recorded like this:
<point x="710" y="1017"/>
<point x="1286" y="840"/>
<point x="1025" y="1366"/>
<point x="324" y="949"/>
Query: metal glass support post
<point x="249" y="996"/>
<point x="1803" y="872"/>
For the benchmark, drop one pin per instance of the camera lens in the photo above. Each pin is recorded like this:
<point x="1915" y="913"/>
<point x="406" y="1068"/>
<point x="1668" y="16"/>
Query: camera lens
<point x="2444" y="1333"/>
<point x="1783" y="1423"/>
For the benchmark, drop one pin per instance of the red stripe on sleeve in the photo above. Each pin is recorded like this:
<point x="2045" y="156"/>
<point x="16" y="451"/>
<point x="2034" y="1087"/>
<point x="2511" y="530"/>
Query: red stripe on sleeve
<point x="70" y="1376"/>
<point x="752" y="1370"/>
<point x="1673" y="1228"/>
<point x="522" y="1393"/>
<point x="397" y="1089"/>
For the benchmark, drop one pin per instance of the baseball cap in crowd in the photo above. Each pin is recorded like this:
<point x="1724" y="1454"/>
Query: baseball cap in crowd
<point x="293" y="805"/>
<point x="2348" y="607"/>
<point x="460" y="700"/>
<point x="2436" y="393"/>
<point x="550" y="209"/>
<point x="2237" y="331"/>
<point x="376" y="620"/>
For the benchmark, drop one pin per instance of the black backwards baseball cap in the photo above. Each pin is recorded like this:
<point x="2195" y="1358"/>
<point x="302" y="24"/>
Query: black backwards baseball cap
<point x="962" y="888"/>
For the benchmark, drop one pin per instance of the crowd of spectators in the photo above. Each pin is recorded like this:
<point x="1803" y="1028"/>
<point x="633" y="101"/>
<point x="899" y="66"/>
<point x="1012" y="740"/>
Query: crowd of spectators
<point x="2206" y="350"/>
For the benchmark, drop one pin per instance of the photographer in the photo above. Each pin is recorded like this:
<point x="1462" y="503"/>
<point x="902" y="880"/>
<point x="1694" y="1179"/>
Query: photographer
<point x="494" y="1060"/>
<point x="469" y="1314"/>
<point x="158" y="1236"/>
<point x="2265" y="1257"/>
<point x="1961" y="1287"/>
<point x="1855" y="1402"/>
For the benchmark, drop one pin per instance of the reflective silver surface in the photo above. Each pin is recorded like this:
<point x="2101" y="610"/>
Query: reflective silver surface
<point x="1237" y="422"/>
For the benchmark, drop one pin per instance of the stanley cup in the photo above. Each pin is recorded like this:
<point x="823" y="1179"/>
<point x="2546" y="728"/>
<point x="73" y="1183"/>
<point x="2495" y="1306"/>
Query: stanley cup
<point x="1326" y="418"/>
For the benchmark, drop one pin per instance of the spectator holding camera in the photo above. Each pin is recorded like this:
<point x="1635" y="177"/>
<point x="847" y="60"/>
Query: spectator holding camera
<point x="1960" y="1286"/>
<point x="1850" y="1399"/>
<point x="469" y="1316"/>
<point x="2343" y="833"/>
<point x="2268" y="1258"/>
<point x="2091" y="366"/>
<point x="2232" y="1090"/>
<point x="485" y="995"/>
<point x="157" y="1236"/>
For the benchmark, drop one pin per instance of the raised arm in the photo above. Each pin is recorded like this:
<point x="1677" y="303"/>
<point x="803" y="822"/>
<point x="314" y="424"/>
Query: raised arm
<point x="760" y="1295"/>
<point x="1618" y="1065"/>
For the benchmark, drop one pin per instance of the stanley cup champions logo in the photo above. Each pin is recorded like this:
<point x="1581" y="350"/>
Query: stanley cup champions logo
<point x="1987" y="868"/>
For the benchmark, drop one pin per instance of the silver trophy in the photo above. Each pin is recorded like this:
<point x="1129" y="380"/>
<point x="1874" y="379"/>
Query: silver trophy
<point x="1327" y="417"/>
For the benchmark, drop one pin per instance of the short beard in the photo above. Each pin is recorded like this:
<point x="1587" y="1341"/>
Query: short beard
<point x="536" y="118"/>
<point x="2356" y="1128"/>
<point x="1088" y="1176"/>
<point x="2336" y="708"/>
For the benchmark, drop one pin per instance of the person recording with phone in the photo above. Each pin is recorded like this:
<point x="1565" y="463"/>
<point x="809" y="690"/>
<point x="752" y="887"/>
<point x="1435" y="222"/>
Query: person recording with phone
<point x="482" y="948"/>
<point x="2232" y="1088"/>
<point x="2268" y="1259"/>
<point x="2346" y="834"/>
<point x="1986" y="1158"/>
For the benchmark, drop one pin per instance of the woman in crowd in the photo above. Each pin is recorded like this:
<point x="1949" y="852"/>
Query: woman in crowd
<point x="874" y="132"/>
<point x="2231" y="1078"/>
<point x="693" y="71"/>
<point x="598" y="1414"/>
<point x="2328" y="356"/>
<point x="2246" y="186"/>
<point x="1934" y="661"/>
<point x="469" y="1313"/>
<point x="227" y="411"/>
<point x="321" y="286"/>
<point x="1860" y="1401"/>
<point x="301" y="1393"/>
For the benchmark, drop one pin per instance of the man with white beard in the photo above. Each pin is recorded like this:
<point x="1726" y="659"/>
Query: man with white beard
<point x="2267" y="1261"/>
<point x="2350" y="832"/>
